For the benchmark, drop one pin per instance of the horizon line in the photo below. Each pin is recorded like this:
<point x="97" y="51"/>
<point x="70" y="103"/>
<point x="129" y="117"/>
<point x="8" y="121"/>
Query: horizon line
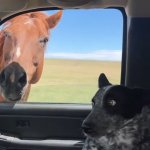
<point x="109" y="55"/>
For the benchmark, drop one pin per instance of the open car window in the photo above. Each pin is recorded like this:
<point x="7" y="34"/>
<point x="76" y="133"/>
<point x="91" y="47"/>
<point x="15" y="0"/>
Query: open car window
<point x="84" y="44"/>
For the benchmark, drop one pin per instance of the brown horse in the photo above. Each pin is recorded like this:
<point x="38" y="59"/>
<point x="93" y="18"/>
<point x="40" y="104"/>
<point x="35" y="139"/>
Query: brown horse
<point x="22" y="43"/>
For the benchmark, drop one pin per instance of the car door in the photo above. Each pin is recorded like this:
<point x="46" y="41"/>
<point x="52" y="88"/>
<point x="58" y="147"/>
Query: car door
<point x="46" y="126"/>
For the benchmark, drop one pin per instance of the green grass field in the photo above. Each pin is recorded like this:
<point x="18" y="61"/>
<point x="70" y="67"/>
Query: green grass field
<point x="72" y="81"/>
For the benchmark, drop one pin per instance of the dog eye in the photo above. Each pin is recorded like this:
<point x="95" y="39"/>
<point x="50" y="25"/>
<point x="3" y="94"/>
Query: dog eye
<point x="112" y="102"/>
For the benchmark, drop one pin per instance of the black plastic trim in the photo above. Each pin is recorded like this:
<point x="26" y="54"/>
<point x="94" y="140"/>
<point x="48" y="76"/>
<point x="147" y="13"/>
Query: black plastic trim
<point x="138" y="53"/>
<point x="13" y="143"/>
<point x="42" y="109"/>
<point x="124" y="47"/>
<point x="46" y="121"/>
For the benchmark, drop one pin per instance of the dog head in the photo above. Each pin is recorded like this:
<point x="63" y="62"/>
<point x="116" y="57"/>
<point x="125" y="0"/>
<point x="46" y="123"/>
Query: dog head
<point x="113" y="105"/>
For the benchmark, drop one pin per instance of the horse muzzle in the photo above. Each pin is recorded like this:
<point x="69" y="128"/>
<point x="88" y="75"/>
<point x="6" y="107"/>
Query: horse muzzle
<point x="13" y="79"/>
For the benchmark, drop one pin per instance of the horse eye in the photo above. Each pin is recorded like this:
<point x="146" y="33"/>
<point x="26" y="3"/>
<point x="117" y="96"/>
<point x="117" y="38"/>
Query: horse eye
<point x="112" y="102"/>
<point x="43" y="41"/>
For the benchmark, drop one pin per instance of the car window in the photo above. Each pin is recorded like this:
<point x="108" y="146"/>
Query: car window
<point x="84" y="44"/>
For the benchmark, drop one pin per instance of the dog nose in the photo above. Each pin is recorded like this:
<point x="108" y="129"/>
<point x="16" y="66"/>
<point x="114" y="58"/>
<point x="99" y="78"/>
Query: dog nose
<point x="87" y="127"/>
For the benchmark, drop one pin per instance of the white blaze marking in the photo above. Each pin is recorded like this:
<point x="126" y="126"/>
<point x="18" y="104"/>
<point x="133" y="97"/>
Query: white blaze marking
<point x="18" y="53"/>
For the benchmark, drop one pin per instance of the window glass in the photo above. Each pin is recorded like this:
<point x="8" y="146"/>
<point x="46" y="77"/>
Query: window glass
<point x="84" y="44"/>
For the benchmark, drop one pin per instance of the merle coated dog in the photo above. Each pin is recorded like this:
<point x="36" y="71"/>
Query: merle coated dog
<point x="119" y="120"/>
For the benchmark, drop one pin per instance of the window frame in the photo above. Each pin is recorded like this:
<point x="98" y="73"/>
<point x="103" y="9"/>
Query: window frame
<point x="124" y="33"/>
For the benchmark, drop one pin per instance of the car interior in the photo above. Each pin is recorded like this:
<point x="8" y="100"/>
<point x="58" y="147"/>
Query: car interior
<point x="36" y="126"/>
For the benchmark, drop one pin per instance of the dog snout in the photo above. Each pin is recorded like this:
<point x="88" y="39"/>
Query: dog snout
<point x="87" y="127"/>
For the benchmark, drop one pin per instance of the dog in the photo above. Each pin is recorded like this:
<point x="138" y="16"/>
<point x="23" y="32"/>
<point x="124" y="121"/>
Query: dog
<point x="119" y="119"/>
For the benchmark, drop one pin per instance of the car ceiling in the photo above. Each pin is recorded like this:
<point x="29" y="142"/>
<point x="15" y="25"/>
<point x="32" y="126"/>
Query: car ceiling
<point x="134" y="8"/>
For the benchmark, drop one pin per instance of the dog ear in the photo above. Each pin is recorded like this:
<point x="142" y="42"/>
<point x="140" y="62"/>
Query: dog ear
<point x="103" y="81"/>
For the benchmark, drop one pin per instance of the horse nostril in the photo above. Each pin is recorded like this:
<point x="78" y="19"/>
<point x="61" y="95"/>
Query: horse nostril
<point x="22" y="79"/>
<point x="2" y="78"/>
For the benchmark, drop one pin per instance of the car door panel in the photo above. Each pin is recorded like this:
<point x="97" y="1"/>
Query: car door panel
<point x="42" y="126"/>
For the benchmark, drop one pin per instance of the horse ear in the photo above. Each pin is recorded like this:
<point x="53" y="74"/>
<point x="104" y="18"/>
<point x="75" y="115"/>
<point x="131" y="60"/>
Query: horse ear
<point x="103" y="81"/>
<point x="54" y="19"/>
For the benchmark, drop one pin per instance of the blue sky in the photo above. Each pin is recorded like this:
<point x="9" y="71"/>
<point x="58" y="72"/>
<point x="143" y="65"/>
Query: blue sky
<point x="87" y="33"/>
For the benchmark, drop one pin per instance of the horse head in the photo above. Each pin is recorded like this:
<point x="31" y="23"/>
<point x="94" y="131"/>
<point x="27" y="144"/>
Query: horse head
<point x="23" y="41"/>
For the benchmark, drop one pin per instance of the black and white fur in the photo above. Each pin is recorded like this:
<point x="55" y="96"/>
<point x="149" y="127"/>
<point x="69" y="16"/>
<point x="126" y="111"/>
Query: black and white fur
<point x="119" y="120"/>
